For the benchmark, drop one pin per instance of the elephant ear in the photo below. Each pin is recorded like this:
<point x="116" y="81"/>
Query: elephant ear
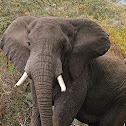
<point x="90" y="42"/>
<point x="14" y="42"/>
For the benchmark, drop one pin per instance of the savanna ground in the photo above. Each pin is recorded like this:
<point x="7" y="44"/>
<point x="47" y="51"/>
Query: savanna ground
<point x="15" y="105"/>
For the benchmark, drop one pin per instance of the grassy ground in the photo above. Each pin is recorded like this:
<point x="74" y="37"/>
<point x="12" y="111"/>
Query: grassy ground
<point x="15" y="105"/>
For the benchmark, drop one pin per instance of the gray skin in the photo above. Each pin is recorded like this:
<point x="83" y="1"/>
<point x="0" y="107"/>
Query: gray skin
<point x="48" y="47"/>
<point x="105" y="102"/>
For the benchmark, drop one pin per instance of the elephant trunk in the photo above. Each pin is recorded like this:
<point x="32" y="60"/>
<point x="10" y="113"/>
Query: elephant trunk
<point x="43" y="76"/>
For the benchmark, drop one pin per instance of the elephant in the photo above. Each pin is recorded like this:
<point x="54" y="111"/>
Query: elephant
<point x="46" y="49"/>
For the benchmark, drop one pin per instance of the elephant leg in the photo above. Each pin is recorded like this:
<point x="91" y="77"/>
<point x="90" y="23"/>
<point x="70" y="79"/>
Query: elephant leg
<point x="67" y="104"/>
<point x="35" y="112"/>
<point x="115" y="117"/>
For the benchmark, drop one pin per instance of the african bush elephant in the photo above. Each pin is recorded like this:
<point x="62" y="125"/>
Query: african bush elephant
<point x="46" y="48"/>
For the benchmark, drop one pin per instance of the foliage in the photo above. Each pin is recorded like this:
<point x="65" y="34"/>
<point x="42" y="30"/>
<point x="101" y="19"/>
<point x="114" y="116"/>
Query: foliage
<point x="116" y="1"/>
<point x="15" y="105"/>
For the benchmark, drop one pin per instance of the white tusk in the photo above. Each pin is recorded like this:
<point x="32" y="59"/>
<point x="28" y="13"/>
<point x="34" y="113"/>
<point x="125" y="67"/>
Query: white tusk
<point x="22" y="79"/>
<point x="61" y="83"/>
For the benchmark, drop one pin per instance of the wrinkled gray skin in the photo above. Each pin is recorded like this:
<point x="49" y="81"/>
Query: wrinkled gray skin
<point x="105" y="102"/>
<point x="48" y="47"/>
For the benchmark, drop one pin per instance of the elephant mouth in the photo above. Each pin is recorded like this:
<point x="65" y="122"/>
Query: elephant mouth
<point x="25" y="76"/>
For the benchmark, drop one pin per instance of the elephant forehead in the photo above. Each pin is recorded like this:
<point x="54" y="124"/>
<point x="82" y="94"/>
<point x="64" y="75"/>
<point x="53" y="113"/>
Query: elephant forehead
<point x="52" y="20"/>
<point x="55" y="21"/>
<point x="55" y="25"/>
<point x="47" y="21"/>
<point x="49" y="28"/>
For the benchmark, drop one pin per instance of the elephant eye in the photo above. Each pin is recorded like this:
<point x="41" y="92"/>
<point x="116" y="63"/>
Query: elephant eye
<point x="28" y="42"/>
<point x="63" y="46"/>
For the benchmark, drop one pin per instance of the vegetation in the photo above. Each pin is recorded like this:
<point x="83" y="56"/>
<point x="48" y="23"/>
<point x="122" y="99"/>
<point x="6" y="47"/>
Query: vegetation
<point x="116" y="1"/>
<point x="15" y="105"/>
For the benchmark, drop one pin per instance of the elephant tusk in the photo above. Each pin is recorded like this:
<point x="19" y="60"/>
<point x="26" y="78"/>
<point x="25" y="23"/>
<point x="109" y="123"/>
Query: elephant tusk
<point x="22" y="79"/>
<point x="61" y="83"/>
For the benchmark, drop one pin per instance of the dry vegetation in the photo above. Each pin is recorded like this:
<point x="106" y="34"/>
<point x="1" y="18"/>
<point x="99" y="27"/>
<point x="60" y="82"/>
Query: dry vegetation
<point x="15" y="105"/>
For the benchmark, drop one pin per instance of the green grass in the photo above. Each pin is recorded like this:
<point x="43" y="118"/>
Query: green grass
<point x="15" y="105"/>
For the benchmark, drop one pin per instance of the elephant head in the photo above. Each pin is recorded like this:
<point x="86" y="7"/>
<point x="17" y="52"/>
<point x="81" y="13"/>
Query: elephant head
<point x="40" y="46"/>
